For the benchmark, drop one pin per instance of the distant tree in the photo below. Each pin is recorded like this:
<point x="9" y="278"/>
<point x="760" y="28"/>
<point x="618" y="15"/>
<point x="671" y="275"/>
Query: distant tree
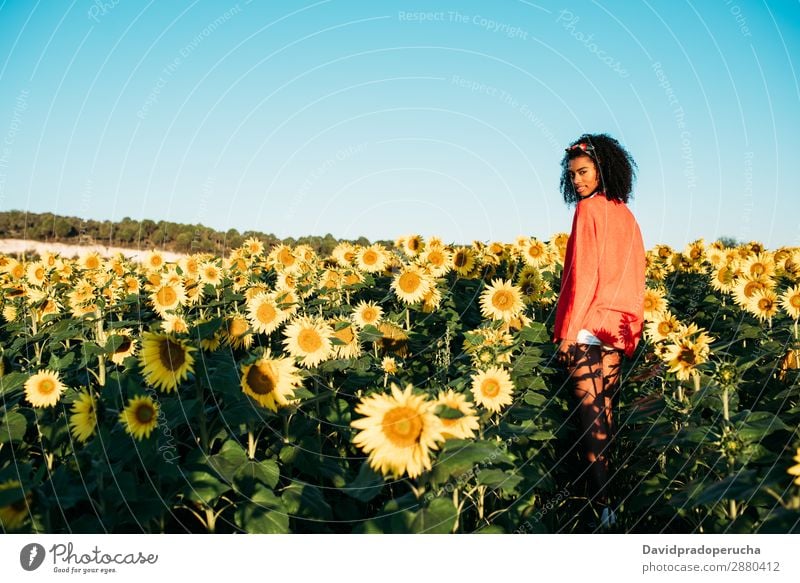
<point x="728" y="241"/>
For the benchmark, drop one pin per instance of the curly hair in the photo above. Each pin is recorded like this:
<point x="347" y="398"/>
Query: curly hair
<point x="614" y="164"/>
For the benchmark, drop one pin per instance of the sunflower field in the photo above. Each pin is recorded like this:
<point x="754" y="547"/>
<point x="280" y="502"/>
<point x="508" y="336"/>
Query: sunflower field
<point x="377" y="390"/>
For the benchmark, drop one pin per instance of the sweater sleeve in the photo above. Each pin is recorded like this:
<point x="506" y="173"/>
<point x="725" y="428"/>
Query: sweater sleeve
<point x="585" y="270"/>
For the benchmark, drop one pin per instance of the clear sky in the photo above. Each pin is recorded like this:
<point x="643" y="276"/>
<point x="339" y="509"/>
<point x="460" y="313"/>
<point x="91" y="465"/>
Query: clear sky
<point x="384" y="118"/>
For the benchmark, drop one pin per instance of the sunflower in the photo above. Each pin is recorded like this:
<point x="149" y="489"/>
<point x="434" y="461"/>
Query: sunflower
<point x="695" y="251"/>
<point x="210" y="273"/>
<point x="398" y="431"/>
<point x="437" y="260"/>
<point x="44" y="389"/>
<point x="153" y="261"/>
<point x="411" y="284"/>
<point x="309" y="340"/>
<point x="167" y="296"/>
<point x="412" y="245"/>
<point x="654" y="303"/>
<point x="271" y="381"/>
<point x="264" y="314"/>
<point x="389" y="365"/>
<point x="394" y="339"/>
<point x="237" y="332"/>
<point x="463" y="427"/>
<point x="126" y="348"/>
<point x="371" y="259"/>
<point x="763" y="304"/>
<point x="662" y="326"/>
<point x="13" y="515"/>
<point x="558" y="244"/>
<point x="795" y="470"/>
<point x="140" y="417"/>
<point x="174" y="324"/>
<point x="760" y="265"/>
<point x="366" y="314"/>
<point x="464" y="261"/>
<point x="165" y="361"/>
<point x="90" y="261"/>
<point x="684" y="355"/>
<point x="282" y="258"/>
<point x="722" y="278"/>
<point x="344" y="331"/>
<point x="344" y="254"/>
<point x="746" y="287"/>
<point x="501" y="301"/>
<point x="431" y="300"/>
<point x="83" y="420"/>
<point x="36" y="273"/>
<point x="492" y="388"/>
<point x="253" y="246"/>
<point x="790" y="301"/>
<point x="534" y="253"/>
<point x="131" y="284"/>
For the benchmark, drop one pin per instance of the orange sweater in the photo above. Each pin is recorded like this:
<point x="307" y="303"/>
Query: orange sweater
<point x="602" y="286"/>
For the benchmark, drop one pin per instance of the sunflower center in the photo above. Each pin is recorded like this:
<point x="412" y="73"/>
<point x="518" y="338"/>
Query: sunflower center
<point x="794" y="301"/>
<point x="237" y="327"/>
<point x="460" y="260"/>
<point x="286" y="257"/>
<point x="345" y="335"/>
<point x="124" y="346"/>
<point x="503" y="300"/>
<point x="92" y="263"/>
<point x="370" y="314"/>
<point x="402" y="426"/>
<point x="261" y="378"/>
<point x="751" y="288"/>
<point x="172" y="354"/>
<point x="266" y="313"/>
<point x="413" y="244"/>
<point x="687" y="356"/>
<point x="535" y="251"/>
<point x="664" y="328"/>
<point x="46" y="386"/>
<point x="436" y="258"/>
<point x="765" y="304"/>
<point x="757" y="269"/>
<point x="490" y="388"/>
<point x="166" y="296"/>
<point x="370" y="257"/>
<point x="309" y="340"/>
<point x="144" y="413"/>
<point x="409" y="282"/>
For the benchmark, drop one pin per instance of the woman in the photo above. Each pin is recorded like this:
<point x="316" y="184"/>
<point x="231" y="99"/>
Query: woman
<point x="600" y="306"/>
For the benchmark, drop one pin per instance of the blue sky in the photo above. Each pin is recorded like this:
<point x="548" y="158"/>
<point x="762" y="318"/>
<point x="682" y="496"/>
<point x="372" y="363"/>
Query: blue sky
<point x="386" y="118"/>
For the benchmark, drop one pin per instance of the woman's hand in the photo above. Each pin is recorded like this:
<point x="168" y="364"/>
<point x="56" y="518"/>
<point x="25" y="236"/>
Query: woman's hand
<point x="565" y="354"/>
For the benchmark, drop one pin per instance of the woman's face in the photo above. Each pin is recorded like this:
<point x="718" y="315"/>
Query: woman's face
<point x="584" y="176"/>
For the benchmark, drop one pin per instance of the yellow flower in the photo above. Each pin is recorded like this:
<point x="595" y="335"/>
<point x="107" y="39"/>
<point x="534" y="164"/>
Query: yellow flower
<point x="264" y="314"/>
<point x="437" y="260"/>
<point x="745" y="288"/>
<point x="126" y="348"/>
<point x="153" y="261"/>
<point x="661" y="326"/>
<point x="140" y="417"/>
<point x="271" y="381"/>
<point x="654" y="303"/>
<point x="44" y="389"/>
<point x="763" y="304"/>
<point x="411" y="284"/>
<point x="165" y="361"/>
<point x="209" y="272"/>
<point x="14" y="515"/>
<point x="236" y="332"/>
<point x="168" y="296"/>
<point x="309" y="340"/>
<point x="790" y="301"/>
<point x="398" y="431"/>
<point x="371" y="259"/>
<point x="463" y="427"/>
<point x="492" y="388"/>
<point x="83" y="420"/>
<point x="795" y="470"/>
<point x="501" y="301"/>
<point x="535" y="253"/>
<point x="389" y="365"/>
<point x="464" y="261"/>
<point x="366" y="313"/>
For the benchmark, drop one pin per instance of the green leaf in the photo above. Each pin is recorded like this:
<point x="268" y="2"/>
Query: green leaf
<point x="229" y="459"/>
<point x="438" y="517"/>
<point x="203" y="486"/>
<point x="757" y="425"/>
<point x="11" y="384"/>
<point x="13" y="427"/>
<point x="534" y="399"/>
<point x="535" y="332"/>
<point x="445" y="412"/>
<point x="266" y="472"/>
<point x="501" y="479"/>
<point x="370" y="333"/>
<point x="458" y="456"/>
<point x="257" y="520"/>
<point x="366" y="486"/>
<point x="306" y="501"/>
<point x="57" y="363"/>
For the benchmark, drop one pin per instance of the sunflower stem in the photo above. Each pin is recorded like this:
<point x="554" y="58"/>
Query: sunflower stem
<point x="101" y="358"/>
<point x="251" y="445"/>
<point x="408" y="319"/>
<point x="725" y="411"/>
<point x="203" y="426"/>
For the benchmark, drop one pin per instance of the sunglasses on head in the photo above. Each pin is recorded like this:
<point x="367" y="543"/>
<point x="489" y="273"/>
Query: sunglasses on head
<point x="588" y="148"/>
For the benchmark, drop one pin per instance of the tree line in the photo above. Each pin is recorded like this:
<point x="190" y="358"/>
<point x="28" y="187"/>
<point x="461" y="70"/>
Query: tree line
<point x="146" y="234"/>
